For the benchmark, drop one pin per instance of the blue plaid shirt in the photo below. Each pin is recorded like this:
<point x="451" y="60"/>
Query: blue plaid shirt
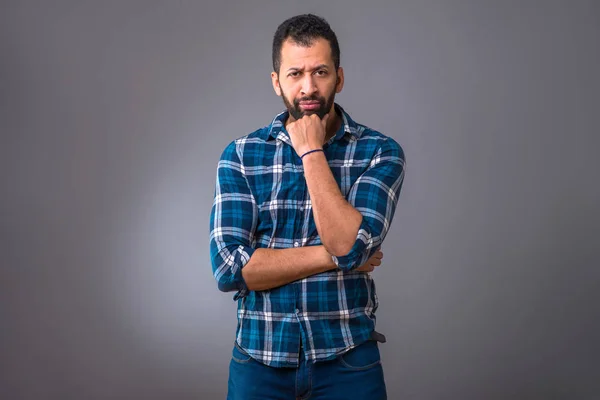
<point x="262" y="201"/>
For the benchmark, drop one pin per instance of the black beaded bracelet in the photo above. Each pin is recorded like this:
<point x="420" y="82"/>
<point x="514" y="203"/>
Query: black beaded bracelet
<point x="311" y="151"/>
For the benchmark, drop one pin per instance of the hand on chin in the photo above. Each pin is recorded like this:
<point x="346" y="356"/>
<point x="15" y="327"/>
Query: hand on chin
<point x="308" y="132"/>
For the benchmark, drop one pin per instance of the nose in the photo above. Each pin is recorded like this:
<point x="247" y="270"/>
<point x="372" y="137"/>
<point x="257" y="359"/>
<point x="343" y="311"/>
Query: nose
<point x="308" y="86"/>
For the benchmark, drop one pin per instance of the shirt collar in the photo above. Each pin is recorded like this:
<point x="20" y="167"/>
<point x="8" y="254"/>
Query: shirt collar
<point x="277" y="129"/>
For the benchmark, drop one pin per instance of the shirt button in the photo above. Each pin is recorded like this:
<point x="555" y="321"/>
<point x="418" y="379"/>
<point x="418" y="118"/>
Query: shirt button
<point x="297" y="311"/>
<point x="296" y="244"/>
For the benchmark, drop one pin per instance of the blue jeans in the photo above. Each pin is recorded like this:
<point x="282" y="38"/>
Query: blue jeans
<point x="355" y="375"/>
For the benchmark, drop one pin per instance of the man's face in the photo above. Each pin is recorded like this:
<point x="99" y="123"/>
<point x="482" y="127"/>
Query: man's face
<point x="307" y="80"/>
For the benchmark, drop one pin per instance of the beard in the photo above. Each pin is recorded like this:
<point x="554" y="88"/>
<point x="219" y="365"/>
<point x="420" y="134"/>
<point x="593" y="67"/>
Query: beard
<point x="325" y="105"/>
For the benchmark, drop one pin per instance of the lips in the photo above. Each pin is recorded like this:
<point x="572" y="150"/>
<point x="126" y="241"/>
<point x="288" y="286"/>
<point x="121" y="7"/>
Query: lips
<point x="310" y="105"/>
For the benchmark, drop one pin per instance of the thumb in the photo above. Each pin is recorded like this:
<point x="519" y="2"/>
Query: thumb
<point x="325" y="119"/>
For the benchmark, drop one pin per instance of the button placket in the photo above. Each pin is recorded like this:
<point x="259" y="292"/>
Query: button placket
<point x="299" y="214"/>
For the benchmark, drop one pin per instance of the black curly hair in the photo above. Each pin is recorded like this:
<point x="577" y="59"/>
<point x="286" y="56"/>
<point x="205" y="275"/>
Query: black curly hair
<point x="302" y="30"/>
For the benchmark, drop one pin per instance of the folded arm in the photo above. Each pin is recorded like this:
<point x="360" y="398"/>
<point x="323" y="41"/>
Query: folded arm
<point x="352" y="229"/>
<point x="237" y="265"/>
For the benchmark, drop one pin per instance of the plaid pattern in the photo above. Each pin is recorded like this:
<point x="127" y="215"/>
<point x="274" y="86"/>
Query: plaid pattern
<point x="262" y="201"/>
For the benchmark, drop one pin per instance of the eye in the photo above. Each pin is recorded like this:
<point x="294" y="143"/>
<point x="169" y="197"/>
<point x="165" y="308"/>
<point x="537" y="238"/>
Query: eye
<point x="294" y="74"/>
<point x="321" y="72"/>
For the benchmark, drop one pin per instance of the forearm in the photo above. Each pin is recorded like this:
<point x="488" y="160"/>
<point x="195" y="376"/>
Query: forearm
<point x="337" y="220"/>
<point x="270" y="268"/>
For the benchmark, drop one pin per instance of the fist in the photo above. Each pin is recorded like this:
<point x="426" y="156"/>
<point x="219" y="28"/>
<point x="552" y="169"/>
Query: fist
<point x="308" y="133"/>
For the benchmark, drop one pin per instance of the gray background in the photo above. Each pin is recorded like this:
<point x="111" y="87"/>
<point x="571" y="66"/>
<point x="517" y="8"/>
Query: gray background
<point x="114" y="114"/>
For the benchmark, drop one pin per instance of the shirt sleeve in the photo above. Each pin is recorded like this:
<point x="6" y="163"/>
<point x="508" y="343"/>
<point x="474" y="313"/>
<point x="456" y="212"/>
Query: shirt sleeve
<point x="233" y="221"/>
<point x="375" y="195"/>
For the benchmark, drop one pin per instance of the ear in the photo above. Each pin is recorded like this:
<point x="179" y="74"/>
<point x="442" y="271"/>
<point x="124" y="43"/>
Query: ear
<point x="339" y="85"/>
<point x="275" y="81"/>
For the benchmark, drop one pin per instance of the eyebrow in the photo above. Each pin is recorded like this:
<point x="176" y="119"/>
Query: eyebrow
<point x="320" y="66"/>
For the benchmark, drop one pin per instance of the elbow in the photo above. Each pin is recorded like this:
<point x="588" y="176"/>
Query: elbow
<point x="232" y="283"/>
<point x="340" y="251"/>
<point x="224" y="282"/>
<point x="226" y="286"/>
<point x="338" y="248"/>
<point x="227" y="282"/>
<point x="340" y="243"/>
<point x="227" y="269"/>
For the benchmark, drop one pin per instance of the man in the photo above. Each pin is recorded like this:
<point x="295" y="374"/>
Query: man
<point x="300" y="211"/>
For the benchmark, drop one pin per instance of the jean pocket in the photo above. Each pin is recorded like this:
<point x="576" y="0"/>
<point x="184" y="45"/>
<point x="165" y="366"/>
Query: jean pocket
<point x="239" y="355"/>
<point x="364" y="356"/>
